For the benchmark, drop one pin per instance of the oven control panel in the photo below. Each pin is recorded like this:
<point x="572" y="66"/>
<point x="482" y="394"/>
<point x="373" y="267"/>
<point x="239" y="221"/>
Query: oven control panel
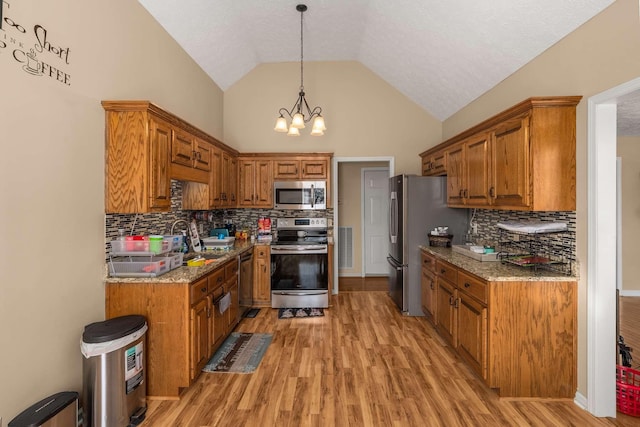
<point x="301" y="223"/>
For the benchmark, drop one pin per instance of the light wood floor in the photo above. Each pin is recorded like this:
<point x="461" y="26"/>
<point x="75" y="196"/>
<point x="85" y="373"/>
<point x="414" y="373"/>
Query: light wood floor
<point x="362" y="364"/>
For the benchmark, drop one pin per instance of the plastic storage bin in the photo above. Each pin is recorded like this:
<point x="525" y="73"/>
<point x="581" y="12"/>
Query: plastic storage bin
<point x="628" y="390"/>
<point x="139" y="266"/>
<point x="114" y="379"/>
<point x="216" y="243"/>
<point x="60" y="409"/>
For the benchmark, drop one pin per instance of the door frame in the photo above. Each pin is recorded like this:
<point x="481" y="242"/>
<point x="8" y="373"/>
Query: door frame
<point x="601" y="249"/>
<point x="334" y="200"/>
<point x="363" y="273"/>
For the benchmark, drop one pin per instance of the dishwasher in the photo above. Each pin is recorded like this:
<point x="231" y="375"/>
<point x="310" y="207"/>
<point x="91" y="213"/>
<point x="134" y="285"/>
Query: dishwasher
<point x="245" y="287"/>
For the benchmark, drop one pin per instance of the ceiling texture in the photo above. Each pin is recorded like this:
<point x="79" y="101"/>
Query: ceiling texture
<point x="441" y="54"/>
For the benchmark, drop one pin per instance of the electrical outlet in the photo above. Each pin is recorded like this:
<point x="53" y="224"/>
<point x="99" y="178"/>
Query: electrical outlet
<point x="201" y="231"/>
<point x="474" y="228"/>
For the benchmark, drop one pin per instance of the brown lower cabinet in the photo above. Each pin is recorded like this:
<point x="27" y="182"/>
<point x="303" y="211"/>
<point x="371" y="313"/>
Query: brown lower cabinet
<point x="185" y="324"/>
<point x="518" y="336"/>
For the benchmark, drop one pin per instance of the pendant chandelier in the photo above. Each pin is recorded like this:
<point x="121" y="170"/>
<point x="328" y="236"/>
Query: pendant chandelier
<point x="300" y="113"/>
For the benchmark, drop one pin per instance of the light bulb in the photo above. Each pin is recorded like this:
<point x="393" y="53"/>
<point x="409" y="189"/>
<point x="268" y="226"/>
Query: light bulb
<point x="298" y="121"/>
<point x="293" y="131"/>
<point x="281" y="125"/>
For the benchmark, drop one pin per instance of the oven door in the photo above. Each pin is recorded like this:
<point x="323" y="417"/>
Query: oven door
<point x="299" y="276"/>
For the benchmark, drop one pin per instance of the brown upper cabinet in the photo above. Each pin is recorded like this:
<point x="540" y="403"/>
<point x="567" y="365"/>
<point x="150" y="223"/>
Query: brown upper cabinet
<point x="138" y="147"/>
<point x="190" y="157"/>
<point x="435" y="164"/>
<point x="521" y="159"/>
<point x="147" y="147"/>
<point x="256" y="182"/>
<point x="297" y="168"/>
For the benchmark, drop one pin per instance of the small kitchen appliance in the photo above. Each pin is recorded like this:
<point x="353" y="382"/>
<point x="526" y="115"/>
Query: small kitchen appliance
<point x="297" y="195"/>
<point x="300" y="264"/>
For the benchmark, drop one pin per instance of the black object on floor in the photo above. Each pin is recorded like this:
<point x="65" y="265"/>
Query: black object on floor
<point x="252" y="312"/>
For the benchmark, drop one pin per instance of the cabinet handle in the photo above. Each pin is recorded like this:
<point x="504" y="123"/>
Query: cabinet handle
<point x="450" y="299"/>
<point x="431" y="285"/>
<point x="460" y="193"/>
<point x="466" y="285"/>
<point x="220" y="280"/>
<point x="456" y="303"/>
<point x="492" y="192"/>
<point x="442" y="271"/>
<point x="466" y="193"/>
<point x="203" y="290"/>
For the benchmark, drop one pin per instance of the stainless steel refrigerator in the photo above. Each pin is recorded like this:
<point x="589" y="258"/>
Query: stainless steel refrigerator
<point x="417" y="205"/>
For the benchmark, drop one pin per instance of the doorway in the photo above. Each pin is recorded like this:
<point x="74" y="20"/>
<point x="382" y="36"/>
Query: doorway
<point x="343" y="202"/>
<point x="601" y="248"/>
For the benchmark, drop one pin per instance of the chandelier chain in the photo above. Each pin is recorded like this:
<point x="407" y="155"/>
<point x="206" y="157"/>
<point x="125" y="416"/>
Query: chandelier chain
<point x="301" y="54"/>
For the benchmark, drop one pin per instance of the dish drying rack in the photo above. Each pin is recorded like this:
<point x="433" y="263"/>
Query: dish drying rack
<point x="538" y="250"/>
<point x="134" y="259"/>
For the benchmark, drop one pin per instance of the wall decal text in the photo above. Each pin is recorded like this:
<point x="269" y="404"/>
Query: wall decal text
<point x="24" y="46"/>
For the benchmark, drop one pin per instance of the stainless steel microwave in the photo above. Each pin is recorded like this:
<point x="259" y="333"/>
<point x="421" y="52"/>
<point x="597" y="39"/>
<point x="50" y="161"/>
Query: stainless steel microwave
<point x="300" y="195"/>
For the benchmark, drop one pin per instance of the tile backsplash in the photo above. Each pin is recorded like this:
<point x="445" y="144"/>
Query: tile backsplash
<point x="160" y="223"/>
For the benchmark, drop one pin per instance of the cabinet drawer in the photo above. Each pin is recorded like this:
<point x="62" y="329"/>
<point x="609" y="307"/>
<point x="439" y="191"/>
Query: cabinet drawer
<point x="216" y="279"/>
<point x="446" y="270"/>
<point x="199" y="290"/>
<point x="471" y="286"/>
<point x="428" y="261"/>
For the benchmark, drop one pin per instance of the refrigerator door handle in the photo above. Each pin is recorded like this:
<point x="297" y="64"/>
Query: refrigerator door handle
<point x="393" y="218"/>
<point x="394" y="264"/>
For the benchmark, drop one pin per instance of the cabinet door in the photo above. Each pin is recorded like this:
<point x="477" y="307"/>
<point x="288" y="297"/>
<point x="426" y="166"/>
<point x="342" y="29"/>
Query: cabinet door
<point x="314" y="169"/>
<point x="216" y="178"/>
<point x="219" y="320"/>
<point x="224" y="175"/>
<point x="232" y="182"/>
<point x="263" y="183"/>
<point x="233" y="311"/>
<point x="182" y="152"/>
<point x="202" y="155"/>
<point x="456" y="178"/>
<point x="286" y="169"/>
<point x="262" y="275"/>
<point x="477" y="160"/>
<point x="246" y="173"/>
<point x="510" y="160"/>
<point x="445" y="309"/>
<point x="472" y="333"/>
<point x="428" y="285"/>
<point x="200" y="346"/>
<point x="160" y="181"/>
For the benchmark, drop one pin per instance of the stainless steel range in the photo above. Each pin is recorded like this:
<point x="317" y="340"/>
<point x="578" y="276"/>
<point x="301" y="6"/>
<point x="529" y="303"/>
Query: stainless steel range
<point x="300" y="264"/>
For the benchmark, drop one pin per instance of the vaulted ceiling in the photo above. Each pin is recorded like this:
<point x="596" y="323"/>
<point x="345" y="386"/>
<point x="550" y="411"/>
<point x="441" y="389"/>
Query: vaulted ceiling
<point x="442" y="54"/>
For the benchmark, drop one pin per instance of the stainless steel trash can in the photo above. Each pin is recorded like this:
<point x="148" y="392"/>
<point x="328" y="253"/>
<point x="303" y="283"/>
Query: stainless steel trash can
<point x="114" y="386"/>
<point x="60" y="409"/>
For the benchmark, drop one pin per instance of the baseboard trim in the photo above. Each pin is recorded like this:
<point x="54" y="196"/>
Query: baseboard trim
<point x="580" y="400"/>
<point x="624" y="293"/>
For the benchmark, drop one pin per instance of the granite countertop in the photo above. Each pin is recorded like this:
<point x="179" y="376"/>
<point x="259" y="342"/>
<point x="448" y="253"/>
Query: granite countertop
<point x="496" y="271"/>
<point x="189" y="274"/>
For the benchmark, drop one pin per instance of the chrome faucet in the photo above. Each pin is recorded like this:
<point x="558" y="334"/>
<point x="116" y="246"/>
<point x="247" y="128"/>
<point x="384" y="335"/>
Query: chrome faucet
<point x="176" y="222"/>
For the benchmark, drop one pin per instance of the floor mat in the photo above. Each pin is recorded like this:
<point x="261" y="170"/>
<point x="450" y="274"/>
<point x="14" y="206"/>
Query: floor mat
<point x="239" y="353"/>
<point x="290" y="313"/>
